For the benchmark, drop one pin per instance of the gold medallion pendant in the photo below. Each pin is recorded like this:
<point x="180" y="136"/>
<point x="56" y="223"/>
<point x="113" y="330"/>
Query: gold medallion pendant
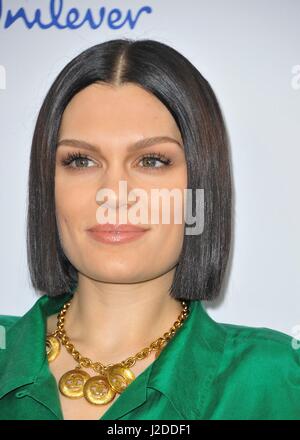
<point x="72" y="382"/>
<point x="110" y="379"/>
<point x="52" y="347"/>
<point x="119" y="377"/>
<point x="98" y="391"/>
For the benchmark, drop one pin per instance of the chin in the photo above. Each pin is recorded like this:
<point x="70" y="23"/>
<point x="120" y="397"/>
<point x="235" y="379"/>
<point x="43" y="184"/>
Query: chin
<point x="110" y="273"/>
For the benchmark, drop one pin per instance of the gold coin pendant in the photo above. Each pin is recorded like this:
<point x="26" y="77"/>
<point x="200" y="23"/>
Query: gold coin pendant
<point x="52" y="347"/>
<point x="98" y="391"/>
<point x="72" y="382"/>
<point x="119" y="377"/>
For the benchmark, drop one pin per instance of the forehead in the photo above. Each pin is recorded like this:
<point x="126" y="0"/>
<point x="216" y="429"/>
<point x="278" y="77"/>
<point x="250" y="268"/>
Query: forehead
<point x="121" y="109"/>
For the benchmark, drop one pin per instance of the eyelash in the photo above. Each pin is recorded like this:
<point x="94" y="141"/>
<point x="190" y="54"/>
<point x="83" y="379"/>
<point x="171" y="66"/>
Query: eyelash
<point x="71" y="157"/>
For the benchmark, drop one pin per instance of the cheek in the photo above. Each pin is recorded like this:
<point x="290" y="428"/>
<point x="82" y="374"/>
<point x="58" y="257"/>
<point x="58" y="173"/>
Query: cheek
<point x="166" y="248"/>
<point x="172" y="228"/>
<point x="172" y="235"/>
<point x="168" y="207"/>
<point x="70" y="202"/>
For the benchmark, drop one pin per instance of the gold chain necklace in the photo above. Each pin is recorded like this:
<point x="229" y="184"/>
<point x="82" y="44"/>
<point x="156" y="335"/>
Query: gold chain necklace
<point x="111" y="378"/>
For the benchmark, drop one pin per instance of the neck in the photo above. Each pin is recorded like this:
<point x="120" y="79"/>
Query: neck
<point x="112" y="321"/>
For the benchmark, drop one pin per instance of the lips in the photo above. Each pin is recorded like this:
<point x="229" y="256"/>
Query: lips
<point x="108" y="227"/>
<point x="116" y="234"/>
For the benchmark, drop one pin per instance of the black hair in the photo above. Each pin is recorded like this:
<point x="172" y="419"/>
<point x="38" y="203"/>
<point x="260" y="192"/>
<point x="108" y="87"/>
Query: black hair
<point x="176" y="82"/>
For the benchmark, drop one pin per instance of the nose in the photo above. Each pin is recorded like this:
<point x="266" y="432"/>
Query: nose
<point x="114" y="190"/>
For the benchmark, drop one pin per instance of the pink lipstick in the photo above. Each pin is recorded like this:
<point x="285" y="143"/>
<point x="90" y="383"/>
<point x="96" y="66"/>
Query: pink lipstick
<point x="116" y="233"/>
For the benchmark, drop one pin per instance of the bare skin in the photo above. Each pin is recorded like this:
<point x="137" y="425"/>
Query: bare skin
<point x="80" y="409"/>
<point x="122" y="301"/>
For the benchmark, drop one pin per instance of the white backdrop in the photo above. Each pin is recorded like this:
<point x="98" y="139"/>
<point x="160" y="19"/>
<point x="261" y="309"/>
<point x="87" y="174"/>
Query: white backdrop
<point x="249" y="51"/>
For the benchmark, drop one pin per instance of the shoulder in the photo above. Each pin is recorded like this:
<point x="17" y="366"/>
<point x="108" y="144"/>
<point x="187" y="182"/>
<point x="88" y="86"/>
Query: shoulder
<point x="7" y="321"/>
<point x="257" y="376"/>
<point x="262" y="346"/>
<point x="245" y="346"/>
<point x="262" y="365"/>
<point x="258" y="338"/>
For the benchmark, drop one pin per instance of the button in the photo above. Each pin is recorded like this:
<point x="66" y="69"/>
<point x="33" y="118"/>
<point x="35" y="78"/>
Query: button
<point x="21" y="394"/>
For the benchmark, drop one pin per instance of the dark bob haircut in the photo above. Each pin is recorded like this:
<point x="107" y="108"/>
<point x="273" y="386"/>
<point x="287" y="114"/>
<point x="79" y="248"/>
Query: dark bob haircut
<point x="188" y="96"/>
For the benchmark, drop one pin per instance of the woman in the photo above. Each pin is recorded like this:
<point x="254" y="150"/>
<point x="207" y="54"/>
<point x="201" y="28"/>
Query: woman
<point x="119" y="331"/>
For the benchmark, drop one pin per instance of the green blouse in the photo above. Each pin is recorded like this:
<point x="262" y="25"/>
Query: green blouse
<point x="208" y="370"/>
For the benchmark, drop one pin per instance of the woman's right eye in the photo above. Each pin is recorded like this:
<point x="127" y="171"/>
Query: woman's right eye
<point x="76" y="160"/>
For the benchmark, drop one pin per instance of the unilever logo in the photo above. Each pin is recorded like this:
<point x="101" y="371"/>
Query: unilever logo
<point x="72" y="18"/>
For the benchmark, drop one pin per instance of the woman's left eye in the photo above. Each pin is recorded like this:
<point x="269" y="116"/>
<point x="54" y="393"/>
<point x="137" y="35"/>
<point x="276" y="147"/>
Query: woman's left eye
<point x="151" y="158"/>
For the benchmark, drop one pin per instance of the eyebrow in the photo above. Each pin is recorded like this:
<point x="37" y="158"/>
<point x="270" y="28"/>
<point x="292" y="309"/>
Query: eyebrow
<point x="140" y="144"/>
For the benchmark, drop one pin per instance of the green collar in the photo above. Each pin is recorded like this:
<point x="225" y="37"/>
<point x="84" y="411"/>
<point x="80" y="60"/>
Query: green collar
<point x="184" y="370"/>
<point x="192" y="359"/>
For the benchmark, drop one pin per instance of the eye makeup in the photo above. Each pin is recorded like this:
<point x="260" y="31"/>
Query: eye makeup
<point x="72" y="158"/>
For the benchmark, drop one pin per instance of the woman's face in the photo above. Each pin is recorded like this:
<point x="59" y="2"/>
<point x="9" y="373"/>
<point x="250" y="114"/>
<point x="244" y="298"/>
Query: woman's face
<point x="112" y="119"/>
